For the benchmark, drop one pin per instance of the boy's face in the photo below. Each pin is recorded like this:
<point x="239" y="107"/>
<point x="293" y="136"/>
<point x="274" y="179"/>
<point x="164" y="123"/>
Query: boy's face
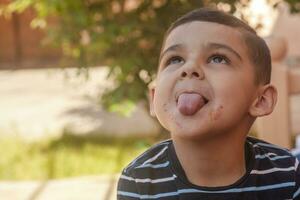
<point x="205" y="83"/>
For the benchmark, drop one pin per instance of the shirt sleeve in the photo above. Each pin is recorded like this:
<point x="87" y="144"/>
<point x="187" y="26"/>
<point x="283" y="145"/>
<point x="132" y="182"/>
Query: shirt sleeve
<point x="296" y="195"/>
<point x="127" y="189"/>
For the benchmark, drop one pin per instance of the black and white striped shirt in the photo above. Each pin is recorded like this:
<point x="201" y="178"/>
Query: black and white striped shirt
<point x="272" y="173"/>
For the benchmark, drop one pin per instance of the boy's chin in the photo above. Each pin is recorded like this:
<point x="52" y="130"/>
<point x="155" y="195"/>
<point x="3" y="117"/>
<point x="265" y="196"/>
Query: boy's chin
<point x="198" y="134"/>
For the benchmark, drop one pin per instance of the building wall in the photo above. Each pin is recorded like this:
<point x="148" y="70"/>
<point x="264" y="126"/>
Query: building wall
<point x="6" y="39"/>
<point x="20" y="45"/>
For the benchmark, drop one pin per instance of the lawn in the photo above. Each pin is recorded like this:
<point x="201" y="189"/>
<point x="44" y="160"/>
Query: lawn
<point x="68" y="156"/>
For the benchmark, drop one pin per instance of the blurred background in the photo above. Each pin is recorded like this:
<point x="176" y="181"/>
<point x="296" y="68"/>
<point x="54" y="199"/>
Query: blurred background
<point x="74" y="78"/>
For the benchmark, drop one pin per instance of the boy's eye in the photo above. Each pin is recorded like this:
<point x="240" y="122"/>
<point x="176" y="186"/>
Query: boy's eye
<point x="175" y="60"/>
<point x="219" y="59"/>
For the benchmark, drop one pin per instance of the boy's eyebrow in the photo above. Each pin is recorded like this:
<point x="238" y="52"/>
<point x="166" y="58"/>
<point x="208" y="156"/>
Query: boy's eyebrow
<point x="222" y="46"/>
<point x="210" y="45"/>
<point x="171" y="48"/>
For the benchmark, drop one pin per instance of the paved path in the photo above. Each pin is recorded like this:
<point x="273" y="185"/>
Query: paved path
<point x="38" y="103"/>
<point x="82" y="188"/>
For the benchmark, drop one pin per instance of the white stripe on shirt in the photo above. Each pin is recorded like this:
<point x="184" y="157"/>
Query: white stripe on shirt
<point x="156" y="156"/>
<point x="155" y="166"/>
<point x="275" y="169"/>
<point x="148" y="180"/>
<point x="271" y="156"/>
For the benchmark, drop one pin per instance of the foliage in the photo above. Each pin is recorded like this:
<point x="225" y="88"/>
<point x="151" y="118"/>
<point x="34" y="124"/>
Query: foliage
<point x="294" y="4"/>
<point x="123" y="34"/>
<point x="68" y="156"/>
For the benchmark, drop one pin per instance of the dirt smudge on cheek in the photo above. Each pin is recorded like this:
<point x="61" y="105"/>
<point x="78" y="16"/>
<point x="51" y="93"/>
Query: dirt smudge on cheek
<point x="178" y="124"/>
<point x="165" y="107"/>
<point x="170" y="115"/>
<point x="175" y="121"/>
<point x="216" y="114"/>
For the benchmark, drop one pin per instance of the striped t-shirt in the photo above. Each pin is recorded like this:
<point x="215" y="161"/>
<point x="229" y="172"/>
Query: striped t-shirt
<point x="272" y="173"/>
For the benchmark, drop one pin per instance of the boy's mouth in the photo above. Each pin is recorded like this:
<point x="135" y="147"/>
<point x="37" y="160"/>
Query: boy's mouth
<point x="189" y="103"/>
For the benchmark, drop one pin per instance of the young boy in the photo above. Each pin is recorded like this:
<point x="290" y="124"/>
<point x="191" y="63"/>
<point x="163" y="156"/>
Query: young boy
<point x="213" y="81"/>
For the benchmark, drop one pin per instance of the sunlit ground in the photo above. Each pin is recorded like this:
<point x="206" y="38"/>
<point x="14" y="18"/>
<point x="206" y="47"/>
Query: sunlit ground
<point x="68" y="156"/>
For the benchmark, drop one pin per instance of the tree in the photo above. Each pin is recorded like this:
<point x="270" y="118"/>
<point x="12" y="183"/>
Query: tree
<point x="123" y="34"/>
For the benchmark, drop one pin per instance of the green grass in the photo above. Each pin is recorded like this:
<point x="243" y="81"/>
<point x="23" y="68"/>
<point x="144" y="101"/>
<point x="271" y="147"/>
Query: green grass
<point x="68" y="156"/>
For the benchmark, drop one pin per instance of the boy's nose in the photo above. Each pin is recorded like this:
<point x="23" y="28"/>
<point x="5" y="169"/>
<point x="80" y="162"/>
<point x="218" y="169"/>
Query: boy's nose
<point x="191" y="72"/>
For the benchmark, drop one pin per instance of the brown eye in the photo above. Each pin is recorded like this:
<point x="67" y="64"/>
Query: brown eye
<point x="218" y="59"/>
<point x="175" y="60"/>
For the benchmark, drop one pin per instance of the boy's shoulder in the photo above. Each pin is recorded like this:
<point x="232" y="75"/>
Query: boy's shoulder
<point x="151" y="157"/>
<point x="261" y="146"/>
<point x="270" y="155"/>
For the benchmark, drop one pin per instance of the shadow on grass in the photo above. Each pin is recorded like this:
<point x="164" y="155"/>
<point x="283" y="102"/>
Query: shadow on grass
<point x="110" y="151"/>
<point x="77" y="141"/>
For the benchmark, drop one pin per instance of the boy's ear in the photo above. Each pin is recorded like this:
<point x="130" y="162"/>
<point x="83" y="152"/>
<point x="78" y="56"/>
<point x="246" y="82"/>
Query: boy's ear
<point x="151" y="98"/>
<point x="265" y="101"/>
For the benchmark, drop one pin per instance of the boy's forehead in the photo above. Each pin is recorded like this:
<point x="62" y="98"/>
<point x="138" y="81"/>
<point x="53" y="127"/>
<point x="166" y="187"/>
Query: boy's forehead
<point x="198" y="34"/>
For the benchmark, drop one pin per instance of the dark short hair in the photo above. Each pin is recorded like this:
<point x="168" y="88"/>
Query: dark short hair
<point x="258" y="50"/>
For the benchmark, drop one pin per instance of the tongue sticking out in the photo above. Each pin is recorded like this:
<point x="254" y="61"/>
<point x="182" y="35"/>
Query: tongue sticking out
<point x="190" y="103"/>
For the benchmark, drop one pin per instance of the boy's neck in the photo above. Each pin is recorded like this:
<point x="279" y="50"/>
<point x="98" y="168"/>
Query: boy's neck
<point x="214" y="162"/>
